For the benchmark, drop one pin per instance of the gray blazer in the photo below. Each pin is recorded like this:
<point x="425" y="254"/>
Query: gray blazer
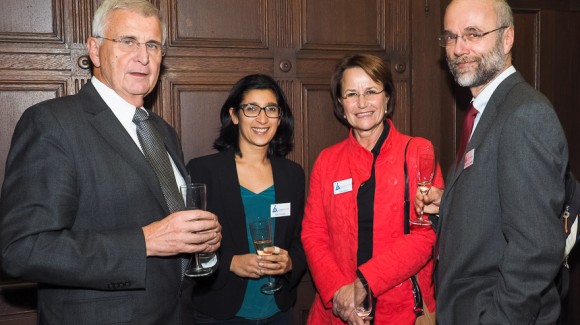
<point x="500" y="239"/>
<point x="76" y="194"/>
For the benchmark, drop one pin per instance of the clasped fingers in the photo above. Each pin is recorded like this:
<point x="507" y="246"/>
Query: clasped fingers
<point x="246" y="266"/>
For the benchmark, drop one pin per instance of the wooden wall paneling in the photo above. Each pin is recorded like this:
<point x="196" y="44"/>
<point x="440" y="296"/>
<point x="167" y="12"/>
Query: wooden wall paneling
<point x="566" y="50"/>
<point x="560" y="73"/>
<point x="322" y="128"/>
<point x="288" y="86"/>
<point x="398" y="47"/>
<point x="561" y="5"/>
<point x="31" y="23"/>
<point x="525" y="52"/>
<point x="342" y="25"/>
<point x="219" y="23"/>
<point x="198" y="107"/>
<point x="432" y="113"/>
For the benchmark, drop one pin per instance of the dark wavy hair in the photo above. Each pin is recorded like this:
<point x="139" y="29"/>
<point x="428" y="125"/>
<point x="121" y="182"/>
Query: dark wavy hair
<point x="282" y="143"/>
<point x="375" y="67"/>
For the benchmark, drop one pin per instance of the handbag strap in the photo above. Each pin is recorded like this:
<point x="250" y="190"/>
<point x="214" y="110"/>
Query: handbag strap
<point x="417" y="297"/>
<point x="407" y="203"/>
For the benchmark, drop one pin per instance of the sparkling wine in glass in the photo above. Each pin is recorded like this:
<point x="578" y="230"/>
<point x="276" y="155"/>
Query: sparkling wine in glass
<point x="201" y="264"/>
<point x="426" y="164"/>
<point x="363" y="300"/>
<point x="261" y="232"/>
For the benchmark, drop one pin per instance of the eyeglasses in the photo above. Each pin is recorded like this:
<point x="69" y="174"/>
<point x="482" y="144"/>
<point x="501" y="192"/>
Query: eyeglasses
<point x="471" y="37"/>
<point x="352" y="97"/>
<point x="130" y="44"/>
<point x="253" y="110"/>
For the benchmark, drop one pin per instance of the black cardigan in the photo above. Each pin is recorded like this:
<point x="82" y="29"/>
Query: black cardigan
<point x="221" y="295"/>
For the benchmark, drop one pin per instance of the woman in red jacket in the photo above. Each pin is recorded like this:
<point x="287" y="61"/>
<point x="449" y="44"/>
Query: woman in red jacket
<point x="353" y="227"/>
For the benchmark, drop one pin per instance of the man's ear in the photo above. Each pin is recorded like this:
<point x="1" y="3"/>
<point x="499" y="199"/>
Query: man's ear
<point x="93" y="49"/>
<point x="508" y="39"/>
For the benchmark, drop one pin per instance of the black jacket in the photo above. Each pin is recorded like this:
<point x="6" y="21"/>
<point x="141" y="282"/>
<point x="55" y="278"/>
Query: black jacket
<point x="221" y="295"/>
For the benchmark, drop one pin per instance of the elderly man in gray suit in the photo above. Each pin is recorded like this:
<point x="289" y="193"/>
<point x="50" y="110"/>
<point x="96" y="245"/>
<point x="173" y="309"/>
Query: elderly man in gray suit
<point x="83" y="212"/>
<point x="500" y="240"/>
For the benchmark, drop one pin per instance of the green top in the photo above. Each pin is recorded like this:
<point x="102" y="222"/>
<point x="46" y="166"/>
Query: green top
<point x="257" y="305"/>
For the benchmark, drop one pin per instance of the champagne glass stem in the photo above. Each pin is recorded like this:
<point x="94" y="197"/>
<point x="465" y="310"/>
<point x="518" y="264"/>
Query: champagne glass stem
<point x="197" y="262"/>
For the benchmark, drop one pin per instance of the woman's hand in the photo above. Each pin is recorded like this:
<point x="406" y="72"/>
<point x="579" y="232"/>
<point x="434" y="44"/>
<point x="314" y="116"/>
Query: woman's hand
<point x="254" y="266"/>
<point x="343" y="303"/>
<point x="246" y="266"/>
<point x="277" y="263"/>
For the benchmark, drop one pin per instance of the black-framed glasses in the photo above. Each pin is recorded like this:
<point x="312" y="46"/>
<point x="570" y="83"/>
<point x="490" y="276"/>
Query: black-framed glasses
<point x="130" y="44"/>
<point x="253" y="110"/>
<point x="469" y="37"/>
<point x="369" y="94"/>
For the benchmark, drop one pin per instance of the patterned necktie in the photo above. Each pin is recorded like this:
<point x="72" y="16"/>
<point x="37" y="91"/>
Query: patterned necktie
<point x="468" y="121"/>
<point x="156" y="154"/>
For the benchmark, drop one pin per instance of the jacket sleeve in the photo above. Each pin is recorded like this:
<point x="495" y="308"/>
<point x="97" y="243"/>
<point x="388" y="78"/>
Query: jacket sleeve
<point x="39" y="234"/>
<point x="532" y="159"/>
<point x="327" y="275"/>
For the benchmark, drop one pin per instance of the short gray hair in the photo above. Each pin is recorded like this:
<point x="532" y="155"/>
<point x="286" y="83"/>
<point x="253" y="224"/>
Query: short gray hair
<point x="143" y="7"/>
<point x="504" y="14"/>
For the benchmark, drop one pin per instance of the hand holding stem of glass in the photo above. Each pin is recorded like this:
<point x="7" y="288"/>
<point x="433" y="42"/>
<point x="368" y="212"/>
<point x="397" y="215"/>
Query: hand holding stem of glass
<point x="261" y="232"/>
<point x="426" y="165"/>
<point x="363" y="301"/>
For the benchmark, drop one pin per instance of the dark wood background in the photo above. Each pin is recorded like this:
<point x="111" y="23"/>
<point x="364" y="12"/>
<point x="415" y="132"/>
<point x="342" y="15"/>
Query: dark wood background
<point x="213" y="43"/>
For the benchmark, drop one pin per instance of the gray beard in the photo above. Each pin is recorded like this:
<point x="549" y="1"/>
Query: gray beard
<point x="487" y="68"/>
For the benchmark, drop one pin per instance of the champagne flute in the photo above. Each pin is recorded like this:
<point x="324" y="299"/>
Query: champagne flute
<point x="363" y="301"/>
<point x="201" y="264"/>
<point x="261" y="232"/>
<point x="425" y="171"/>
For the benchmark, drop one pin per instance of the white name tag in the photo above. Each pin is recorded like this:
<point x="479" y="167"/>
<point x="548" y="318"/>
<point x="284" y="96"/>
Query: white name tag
<point x="342" y="186"/>
<point x="469" y="156"/>
<point x="280" y="210"/>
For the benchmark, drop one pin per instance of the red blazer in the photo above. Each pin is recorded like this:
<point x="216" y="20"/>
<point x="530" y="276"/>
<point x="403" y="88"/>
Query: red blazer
<point x="329" y="230"/>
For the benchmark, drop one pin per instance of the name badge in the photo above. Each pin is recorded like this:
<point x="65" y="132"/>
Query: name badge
<point x="280" y="210"/>
<point x="342" y="186"/>
<point x="469" y="156"/>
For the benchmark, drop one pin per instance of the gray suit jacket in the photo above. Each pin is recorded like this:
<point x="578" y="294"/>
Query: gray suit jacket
<point x="76" y="194"/>
<point x="500" y="239"/>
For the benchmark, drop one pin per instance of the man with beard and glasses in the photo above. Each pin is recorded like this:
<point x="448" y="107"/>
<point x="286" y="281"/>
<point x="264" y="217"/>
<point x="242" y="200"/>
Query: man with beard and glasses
<point x="500" y="239"/>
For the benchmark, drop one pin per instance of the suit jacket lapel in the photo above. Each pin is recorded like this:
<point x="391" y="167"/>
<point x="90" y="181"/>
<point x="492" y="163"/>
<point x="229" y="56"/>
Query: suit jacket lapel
<point x="109" y="127"/>
<point x="283" y="187"/>
<point x="485" y="123"/>
<point x="237" y="219"/>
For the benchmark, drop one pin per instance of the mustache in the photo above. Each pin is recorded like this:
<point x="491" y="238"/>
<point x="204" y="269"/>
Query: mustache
<point x="463" y="59"/>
